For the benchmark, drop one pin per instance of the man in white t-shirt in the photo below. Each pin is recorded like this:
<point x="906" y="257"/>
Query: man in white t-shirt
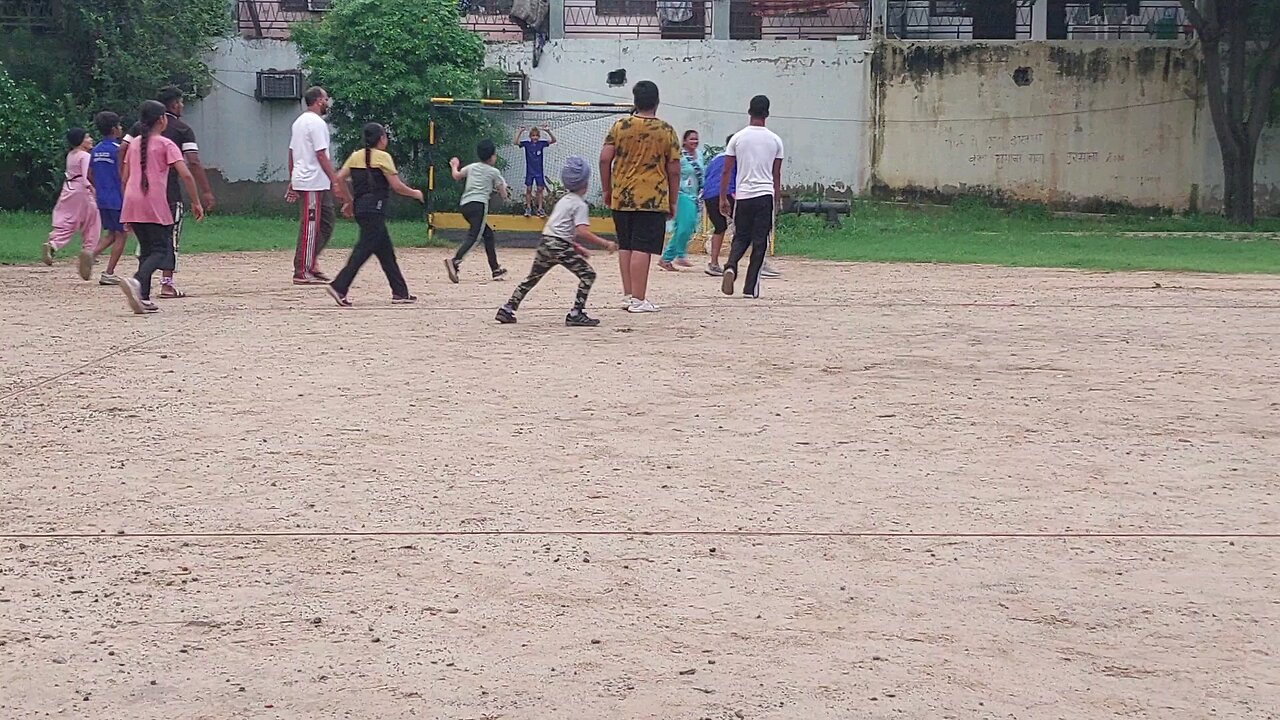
<point x="754" y="158"/>
<point x="314" y="182"/>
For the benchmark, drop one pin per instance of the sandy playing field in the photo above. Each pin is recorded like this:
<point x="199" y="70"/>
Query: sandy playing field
<point x="765" y="441"/>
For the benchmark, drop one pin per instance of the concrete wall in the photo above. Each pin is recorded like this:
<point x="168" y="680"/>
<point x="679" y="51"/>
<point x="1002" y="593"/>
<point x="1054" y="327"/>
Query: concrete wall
<point x="706" y="85"/>
<point x="1070" y="123"/>
<point x="1266" y="179"/>
<point x="244" y="142"/>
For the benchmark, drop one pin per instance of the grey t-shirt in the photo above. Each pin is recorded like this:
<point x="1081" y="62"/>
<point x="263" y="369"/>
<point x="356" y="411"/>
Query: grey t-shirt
<point x="570" y="212"/>
<point x="482" y="180"/>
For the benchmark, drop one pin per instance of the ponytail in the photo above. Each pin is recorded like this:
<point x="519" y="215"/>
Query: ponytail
<point x="150" y="114"/>
<point x="373" y="132"/>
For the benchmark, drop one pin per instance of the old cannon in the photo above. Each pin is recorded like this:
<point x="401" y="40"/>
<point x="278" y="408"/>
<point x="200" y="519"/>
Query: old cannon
<point x="832" y="209"/>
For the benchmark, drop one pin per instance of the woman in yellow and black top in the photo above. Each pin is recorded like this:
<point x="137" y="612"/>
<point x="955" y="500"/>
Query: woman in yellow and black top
<point x="373" y="175"/>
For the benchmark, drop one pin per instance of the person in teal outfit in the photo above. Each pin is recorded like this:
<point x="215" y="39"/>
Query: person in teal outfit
<point x="686" y="220"/>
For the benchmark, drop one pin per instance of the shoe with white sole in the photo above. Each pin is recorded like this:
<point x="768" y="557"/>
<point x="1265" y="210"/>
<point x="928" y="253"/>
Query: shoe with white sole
<point x="769" y="271"/>
<point x="726" y="281"/>
<point x="46" y="254"/>
<point x="108" y="279"/>
<point x="133" y="293"/>
<point x="643" y="306"/>
<point x="627" y="302"/>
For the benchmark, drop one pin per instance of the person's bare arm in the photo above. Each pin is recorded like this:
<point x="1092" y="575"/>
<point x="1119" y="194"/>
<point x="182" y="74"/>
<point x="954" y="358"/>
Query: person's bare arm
<point x="124" y="167"/>
<point x="583" y="232"/>
<point x="192" y="158"/>
<point x="607" y="153"/>
<point x="184" y="173"/>
<point x="400" y="188"/>
<point x="503" y="191"/>
<point x="339" y="189"/>
<point x="725" y="173"/>
<point x="289" y="194"/>
<point x="550" y="135"/>
<point x="454" y="170"/>
<point x="777" y="180"/>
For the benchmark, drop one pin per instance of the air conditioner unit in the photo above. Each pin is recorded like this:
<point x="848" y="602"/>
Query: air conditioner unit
<point x="279" y="85"/>
<point x="517" y="86"/>
<point x="319" y="5"/>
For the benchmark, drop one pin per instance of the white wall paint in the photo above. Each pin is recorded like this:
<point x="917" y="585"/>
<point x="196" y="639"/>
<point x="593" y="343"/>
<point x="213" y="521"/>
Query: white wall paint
<point x="819" y="90"/>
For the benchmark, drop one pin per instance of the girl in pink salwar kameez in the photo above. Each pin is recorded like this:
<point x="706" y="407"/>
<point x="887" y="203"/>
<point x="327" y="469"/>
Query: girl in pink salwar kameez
<point x="77" y="210"/>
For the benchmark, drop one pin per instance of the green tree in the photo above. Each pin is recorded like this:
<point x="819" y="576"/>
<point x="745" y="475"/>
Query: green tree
<point x="1240" y="40"/>
<point x="383" y="60"/>
<point x="84" y="56"/>
<point x="29" y="139"/>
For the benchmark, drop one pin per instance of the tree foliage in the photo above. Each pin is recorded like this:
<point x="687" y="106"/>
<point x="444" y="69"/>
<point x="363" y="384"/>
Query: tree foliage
<point x="383" y="60"/>
<point x="92" y="55"/>
<point x="1240" y="40"/>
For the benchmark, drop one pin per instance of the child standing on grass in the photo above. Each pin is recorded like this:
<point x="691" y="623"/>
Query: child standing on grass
<point x="483" y="179"/>
<point x="146" y="204"/>
<point x="104" y="172"/>
<point x="373" y="175"/>
<point x="77" y="209"/>
<point x="568" y="225"/>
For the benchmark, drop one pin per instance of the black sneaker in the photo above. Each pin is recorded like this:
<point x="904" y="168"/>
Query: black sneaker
<point x="405" y="300"/>
<point x="580" y="319"/>
<point x="499" y="273"/>
<point x="505" y="315"/>
<point x="451" y="267"/>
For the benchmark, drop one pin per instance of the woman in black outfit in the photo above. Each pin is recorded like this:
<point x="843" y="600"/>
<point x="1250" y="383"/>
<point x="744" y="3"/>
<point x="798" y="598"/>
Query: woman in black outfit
<point x="373" y="175"/>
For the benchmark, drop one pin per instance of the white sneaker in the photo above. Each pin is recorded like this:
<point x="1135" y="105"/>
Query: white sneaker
<point x="133" y="292"/>
<point x="627" y="302"/>
<point x="644" y="306"/>
<point x="769" y="271"/>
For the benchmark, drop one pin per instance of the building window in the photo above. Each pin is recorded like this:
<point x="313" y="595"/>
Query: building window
<point x="948" y="8"/>
<point x="627" y="8"/>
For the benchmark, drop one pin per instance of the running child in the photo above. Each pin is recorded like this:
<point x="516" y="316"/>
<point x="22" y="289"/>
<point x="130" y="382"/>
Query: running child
<point x="77" y="209"/>
<point x="566" y="229"/>
<point x="104" y="173"/>
<point x="535" y="178"/>
<point x="483" y="179"/>
<point x="373" y="174"/>
<point x="146" y="204"/>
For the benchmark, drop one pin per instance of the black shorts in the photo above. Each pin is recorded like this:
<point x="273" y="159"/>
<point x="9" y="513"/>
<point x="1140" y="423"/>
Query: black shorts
<point x="640" y="231"/>
<point x="719" y="223"/>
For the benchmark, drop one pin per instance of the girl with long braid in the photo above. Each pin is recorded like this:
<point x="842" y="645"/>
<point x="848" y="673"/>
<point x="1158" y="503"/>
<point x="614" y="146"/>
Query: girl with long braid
<point x="146" y="205"/>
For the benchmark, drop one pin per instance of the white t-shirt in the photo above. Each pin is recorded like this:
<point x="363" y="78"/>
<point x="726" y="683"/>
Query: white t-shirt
<point x="754" y="148"/>
<point x="570" y="212"/>
<point x="310" y="135"/>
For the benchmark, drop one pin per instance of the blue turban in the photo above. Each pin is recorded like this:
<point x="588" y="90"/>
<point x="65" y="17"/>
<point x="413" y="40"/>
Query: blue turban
<point x="576" y="174"/>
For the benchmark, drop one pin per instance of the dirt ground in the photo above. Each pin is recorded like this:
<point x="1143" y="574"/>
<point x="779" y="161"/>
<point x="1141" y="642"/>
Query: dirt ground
<point x="852" y="399"/>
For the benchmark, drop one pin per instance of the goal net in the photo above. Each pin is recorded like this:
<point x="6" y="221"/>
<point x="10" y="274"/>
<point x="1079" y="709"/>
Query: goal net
<point x="578" y="129"/>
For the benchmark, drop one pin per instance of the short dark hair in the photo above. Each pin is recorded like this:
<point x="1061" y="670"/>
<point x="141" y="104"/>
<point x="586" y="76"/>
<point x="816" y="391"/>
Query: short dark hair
<point x="727" y="138"/>
<point x="106" y="122"/>
<point x="75" y="136"/>
<point x="687" y="133"/>
<point x="485" y="150"/>
<point x="759" y="107"/>
<point x="168" y="95"/>
<point x="313" y="94"/>
<point x="645" y="95"/>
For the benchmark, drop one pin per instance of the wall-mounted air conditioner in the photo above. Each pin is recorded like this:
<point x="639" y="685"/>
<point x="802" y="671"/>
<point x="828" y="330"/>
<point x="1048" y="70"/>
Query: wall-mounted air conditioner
<point x="279" y="85"/>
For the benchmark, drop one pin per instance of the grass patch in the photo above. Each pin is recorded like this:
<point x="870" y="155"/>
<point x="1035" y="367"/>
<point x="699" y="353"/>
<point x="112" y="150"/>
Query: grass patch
<point x="1032" y="237"/>
<point x="968" y="232"/>
<point x="22" y="234"/>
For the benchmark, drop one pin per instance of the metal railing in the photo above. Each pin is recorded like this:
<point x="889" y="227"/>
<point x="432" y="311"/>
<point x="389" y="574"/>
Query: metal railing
<point x="1121" y="20"/>
<point x="959" y="19"/>
<point x="668" y="19"/>
<point x="799" y="19"/>
<point x="492" y="19"/>
<point x="257" y="19"/>
<point x="38" y="15"/>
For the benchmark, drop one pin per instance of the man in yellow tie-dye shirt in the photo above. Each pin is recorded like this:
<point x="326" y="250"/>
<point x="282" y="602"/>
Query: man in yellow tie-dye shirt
<point x="640" y="171"/>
